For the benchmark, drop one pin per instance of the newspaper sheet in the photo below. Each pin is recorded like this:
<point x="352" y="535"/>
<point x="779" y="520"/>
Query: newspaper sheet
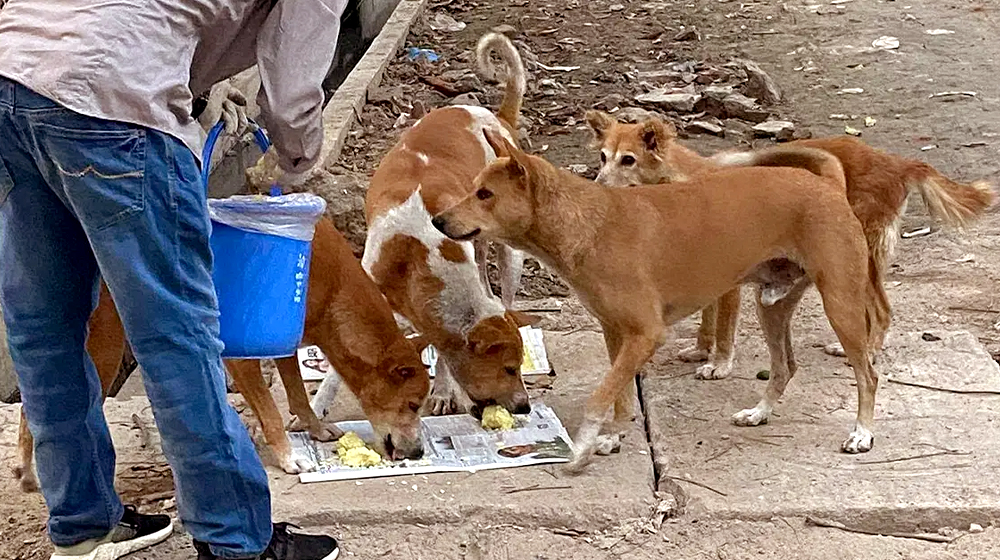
<point x="314" y="366"/>
<point x="451" y="444"/>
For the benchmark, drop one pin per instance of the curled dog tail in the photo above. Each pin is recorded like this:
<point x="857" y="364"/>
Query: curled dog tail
<point x="955" y="204"/>
<point x="515" y="77"/>
<point x="816" y="161"/>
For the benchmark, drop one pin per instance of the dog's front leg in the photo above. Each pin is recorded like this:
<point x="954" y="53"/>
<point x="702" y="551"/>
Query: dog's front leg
<point x="727" y="318"/>
<point x="511" y="266"/>
<point x="482" y="248"/>
<point x="446" y="396"/>
<point x="634" y="351"/>
<point x="304" y="416"/>
<point x="702" y="348"/>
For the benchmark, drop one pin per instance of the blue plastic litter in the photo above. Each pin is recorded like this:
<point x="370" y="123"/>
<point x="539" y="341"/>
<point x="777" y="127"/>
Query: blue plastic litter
<point x="414" y="54"/>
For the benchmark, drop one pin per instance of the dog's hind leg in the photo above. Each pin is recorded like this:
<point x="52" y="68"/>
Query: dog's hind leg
<point x="727" y="318"/>
<point x="775" y="321"/>
<point x="511" y="266"/>
<point x="24" y="469"/>
<point x="634" y="351"/>
<point x="702" y="348"/>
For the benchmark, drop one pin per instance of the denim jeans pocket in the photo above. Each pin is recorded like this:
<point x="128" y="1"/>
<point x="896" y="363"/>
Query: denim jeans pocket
<point x="100" y="165"/>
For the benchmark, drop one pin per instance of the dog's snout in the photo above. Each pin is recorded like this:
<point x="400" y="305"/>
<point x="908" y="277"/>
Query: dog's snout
<point x="521" y="404"/>
<point x="438" y="222"/>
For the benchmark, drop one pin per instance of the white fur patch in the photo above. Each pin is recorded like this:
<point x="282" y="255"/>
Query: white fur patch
<point x="734" y="159"/>
<point x="464" y="301"/>
<point x="483" y="119"/>
<point x="423" y="158"/>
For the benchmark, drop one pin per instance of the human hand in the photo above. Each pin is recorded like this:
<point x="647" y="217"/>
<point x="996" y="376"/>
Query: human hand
<point x="228" y="104"/>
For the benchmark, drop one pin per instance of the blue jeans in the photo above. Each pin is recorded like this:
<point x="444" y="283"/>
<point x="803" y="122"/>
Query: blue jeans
<point x="83" y="198"/>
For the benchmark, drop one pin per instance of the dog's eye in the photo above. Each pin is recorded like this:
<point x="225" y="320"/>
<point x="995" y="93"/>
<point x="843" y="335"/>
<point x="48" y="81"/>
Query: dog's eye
<point x="604" y="157"/>
<point x="511" y="370"/>
<point x="484" y="194"/>
<point x="628" y="161"/>
<point x="415" y="407"/>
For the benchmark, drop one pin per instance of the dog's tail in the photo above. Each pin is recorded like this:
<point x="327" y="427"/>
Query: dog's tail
<point x="877" y="311"/>
<point x="816" y="161"/>
<point x="515" y="77"/>
<point x="954" y="204"/>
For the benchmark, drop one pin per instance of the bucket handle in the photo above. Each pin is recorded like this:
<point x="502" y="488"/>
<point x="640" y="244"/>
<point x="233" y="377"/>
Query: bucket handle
<point x="213" y="136"/>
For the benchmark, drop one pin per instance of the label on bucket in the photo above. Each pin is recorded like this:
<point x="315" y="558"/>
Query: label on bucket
<point x="300" y="277"/>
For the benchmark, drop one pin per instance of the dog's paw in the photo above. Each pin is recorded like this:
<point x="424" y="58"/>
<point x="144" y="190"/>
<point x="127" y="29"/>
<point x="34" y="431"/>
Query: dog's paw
<point x="860" y="441"/>
<point x="326" y="433"/>
<point x="713" y="371"/>
<point x="26" y="478"/>
<point x="835" y="349"/>
<point x="578" y="462"/>
<point x="693" y="354"/>
<point x="441" y="405"/>
<point x="751" y="417"/>
<point x="297" y="465"/>
<point x="607" y="444"/>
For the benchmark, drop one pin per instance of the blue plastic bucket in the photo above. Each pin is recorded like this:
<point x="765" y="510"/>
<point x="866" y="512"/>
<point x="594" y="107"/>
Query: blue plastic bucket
<point x="261" y="247"/>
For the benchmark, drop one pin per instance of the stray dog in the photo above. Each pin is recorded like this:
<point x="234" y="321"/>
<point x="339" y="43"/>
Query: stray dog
<point x="432" y="281"/>
<point x="641" y="259"/>
<point x="349" y="319"/>
<point x="647" y="153"/>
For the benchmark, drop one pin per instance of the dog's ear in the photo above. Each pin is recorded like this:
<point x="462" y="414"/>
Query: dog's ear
<point x="522" y="319"/>
<point x="501" y="147"/>
<point x="656" y="133"/>
<point x="599" y="123"/>
<point x="485" y="338"/>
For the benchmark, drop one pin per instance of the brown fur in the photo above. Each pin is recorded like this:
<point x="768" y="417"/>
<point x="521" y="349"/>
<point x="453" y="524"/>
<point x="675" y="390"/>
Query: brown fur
<point x="877" y="186"/>
<point x="641" y="259"/>
<point x="347" y="317"/>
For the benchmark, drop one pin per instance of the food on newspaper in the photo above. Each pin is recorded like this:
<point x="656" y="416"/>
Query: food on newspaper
<point x="496" y="417"/>
<point x="352" y="452"/>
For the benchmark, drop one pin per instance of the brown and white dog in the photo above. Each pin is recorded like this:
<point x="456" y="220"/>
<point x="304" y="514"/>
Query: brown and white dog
<point x="647" y="153"/>
<point x="351" y="322"/>
<point x="641" y="259"/>
<point x="432" y="281"/>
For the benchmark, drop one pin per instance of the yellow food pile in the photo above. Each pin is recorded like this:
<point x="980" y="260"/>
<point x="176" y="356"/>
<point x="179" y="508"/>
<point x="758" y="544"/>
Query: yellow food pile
<point x="497" y="417"/>
<point x="353" y="452"/>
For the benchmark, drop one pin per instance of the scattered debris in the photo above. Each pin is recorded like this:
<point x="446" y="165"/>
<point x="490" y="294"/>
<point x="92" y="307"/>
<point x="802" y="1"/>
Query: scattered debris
<point x="556" y="68"/>
<point x="974" y="144"/>
<point x="578" y="168"/>
<point x="870" y="122"/>
<point x="928" y="147"/>
<point x="939" y="32"/>
<point x="688" y="34"/>
<point x="850" y="90"/>
<point x="415" y="54"/>
<point x="976" y="528"/>
<point x="705" y="126"/>
<point x="954" y="94"/>
<point x="819" y="522"/>
<point x="759" y="85"/>
<point x="852" y="131"/>
<point x="444" y="22"/>
<point x="930" y="337"/>
<point x="779" y="130"/>
<point x="742" y="107"/>
<point x="681" y="102"/>
<point x="966" y="258"/>
<point x="919" y="232"/>
<point x="764" y="374"/>
<point x="842" y="117"/>
<point x="886" y="43"/>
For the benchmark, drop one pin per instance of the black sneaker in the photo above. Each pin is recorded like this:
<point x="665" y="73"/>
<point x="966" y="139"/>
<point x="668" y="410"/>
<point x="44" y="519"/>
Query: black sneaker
<point x="286" y="545"/>
<point x="135" y="531"/>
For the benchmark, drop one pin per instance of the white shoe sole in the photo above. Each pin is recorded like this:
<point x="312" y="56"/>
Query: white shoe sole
<point x="114" y="551"/>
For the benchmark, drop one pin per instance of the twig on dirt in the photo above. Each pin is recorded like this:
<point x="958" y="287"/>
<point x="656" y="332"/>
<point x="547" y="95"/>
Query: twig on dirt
<point x="914" y="457"/>
<point x="818" y="522"/>
<point x="973" y="309"/>
<point x="721" y="453"/>
<point x="689" y="417"/>
<point x="567" y="532"/>
<point x="696" y="483"/>
<point x="945" y="389"/>
<point x="143" y="433"/>
<point x="777" y="435"/>
<point x="541" y="310"/>
<point x="679" y="375"/>
<point x="537" y="488"/>
<point x="764" y="441"/>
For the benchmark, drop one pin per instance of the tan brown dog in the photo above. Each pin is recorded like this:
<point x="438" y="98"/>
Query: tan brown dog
<point x="435" y="282"/>
<point x="641" y="259"/>
<point x="351" y="322"/>
<point x="647" y="153"/>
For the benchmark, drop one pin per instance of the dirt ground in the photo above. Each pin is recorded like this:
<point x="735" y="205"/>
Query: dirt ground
<point x="813" y="49"/>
